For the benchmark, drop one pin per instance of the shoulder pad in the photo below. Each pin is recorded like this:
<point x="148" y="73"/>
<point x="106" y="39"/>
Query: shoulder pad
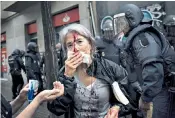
<point x="143" y="40"/>
<point x="147" y="50"/>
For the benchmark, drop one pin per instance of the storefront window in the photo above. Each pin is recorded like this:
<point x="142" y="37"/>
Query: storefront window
<point x="3" y="54"/>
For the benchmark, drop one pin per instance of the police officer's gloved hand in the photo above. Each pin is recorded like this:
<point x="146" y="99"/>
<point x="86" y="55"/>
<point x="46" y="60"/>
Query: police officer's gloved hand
<point x="136" y="87"/>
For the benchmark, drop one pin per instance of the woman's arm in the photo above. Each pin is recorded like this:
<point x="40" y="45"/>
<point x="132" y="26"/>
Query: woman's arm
<point x="20" y="99"/>
<point x="29" y="110"/>
<point x="60" y="105"/>
<point x="45" y="95"/>
<point x="17" y="104"/>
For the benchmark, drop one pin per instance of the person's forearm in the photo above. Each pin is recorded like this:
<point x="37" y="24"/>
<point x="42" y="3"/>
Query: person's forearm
<point x="153" y="76"/>
<point x="30" y="109"/>
<point x="16" y="104"/>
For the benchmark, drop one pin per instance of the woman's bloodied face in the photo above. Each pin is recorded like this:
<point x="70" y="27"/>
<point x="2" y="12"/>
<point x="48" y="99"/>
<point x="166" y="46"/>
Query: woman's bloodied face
<point x="76" y="42"/>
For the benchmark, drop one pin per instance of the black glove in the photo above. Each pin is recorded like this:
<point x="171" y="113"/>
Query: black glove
<point x="124" y="110"/>
<point x="136" y="87"/>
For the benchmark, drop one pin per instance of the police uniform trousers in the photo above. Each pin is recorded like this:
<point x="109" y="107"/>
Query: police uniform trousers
<point x="17" y="84"/>
<point x="161" y="104"/>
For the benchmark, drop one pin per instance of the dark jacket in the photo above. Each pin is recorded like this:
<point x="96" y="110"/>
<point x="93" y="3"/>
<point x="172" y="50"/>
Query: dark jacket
<point x="21" y="63"/>
<point x="100" y="68"/>
<point x="171" y="39"/>
<point x="32" y="65"/>
<point x="152" y="52"/>
<point x="6" y="109"/>
<point x="113" y="50"/>
<point x="108" y="50"/>
<point x="18" y="63"/>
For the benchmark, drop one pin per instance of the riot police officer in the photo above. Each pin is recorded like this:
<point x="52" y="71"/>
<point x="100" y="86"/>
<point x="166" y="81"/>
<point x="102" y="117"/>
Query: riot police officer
<point x="169" y="25"/>
<point x="108" y="47"/>
<point x="32" y="64"/>
<point x="106" y="44"/>
<point x="16" y="64"/>
<point x="149" y="49"/>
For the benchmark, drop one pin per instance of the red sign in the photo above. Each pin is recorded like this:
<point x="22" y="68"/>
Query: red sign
<point x="3" y="60"/>
<point x="3" y="37"/>
<point x="66" y="17"/>
<point x="32" y="28"/>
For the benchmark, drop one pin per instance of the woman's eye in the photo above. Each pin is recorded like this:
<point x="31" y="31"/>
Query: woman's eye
<point x="69" y="46"/>
<point x="80" y="41"/>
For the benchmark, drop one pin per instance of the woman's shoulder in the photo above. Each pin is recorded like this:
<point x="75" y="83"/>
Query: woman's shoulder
<point x="111" y="68"/>
<point x="107" y="63"/>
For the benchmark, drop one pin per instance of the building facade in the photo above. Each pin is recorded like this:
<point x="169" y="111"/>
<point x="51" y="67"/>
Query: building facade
<point x="25" y="24"/>
<point x="22" y="20"/>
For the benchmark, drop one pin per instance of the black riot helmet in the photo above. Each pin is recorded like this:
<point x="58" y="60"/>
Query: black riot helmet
<point x="107" y="27"/>
<point x="169" y="25"/>
<point x="16" y="52"/>
<point x="129" y="17"/>
<point x="169" y="20"/>
<point x="32" y="47"/>
<point x="22" y="53"/>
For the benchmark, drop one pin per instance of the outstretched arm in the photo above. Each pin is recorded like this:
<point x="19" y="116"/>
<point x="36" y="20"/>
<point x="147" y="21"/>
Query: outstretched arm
<point x="45" y="95"/>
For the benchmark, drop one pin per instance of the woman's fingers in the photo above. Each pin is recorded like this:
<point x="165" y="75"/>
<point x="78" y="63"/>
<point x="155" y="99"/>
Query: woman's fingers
<point x="53" y="94"/>
<point x="108" y="114"/>
<point x="76" y="57"/>
<point x="56" y="84"/>
<point x="72" y="55"/>
<point x="75" y="64"/>
<point x="36" y="91"/>
<point x="59" y="86"/>
<point x="114" y="111"/>
<point x="72" y="63"/>
<point x="113" y="114"/>
<point x="25" y="88"/>
<point x="79" y="60"/>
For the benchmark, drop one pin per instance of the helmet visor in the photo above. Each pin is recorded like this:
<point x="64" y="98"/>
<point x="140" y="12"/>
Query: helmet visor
<point x="108" y="34"/>
<point x="120" y="23"/>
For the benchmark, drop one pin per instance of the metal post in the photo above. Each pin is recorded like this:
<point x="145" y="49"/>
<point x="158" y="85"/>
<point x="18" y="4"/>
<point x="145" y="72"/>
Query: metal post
<point x="92" y="18"/>
<point x="50" y="42"/>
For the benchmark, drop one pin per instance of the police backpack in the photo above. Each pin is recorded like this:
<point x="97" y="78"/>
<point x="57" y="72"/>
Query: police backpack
<point x="13" y="65"/>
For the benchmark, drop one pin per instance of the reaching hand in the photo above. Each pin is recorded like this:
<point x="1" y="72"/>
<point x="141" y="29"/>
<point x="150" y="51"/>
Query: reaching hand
<point x="58" y="85"/>
<point x="137" y="87"/>
<point x="23" y="92"/>
<point x="48" y="95"/>
<point x="113" y="112"/>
